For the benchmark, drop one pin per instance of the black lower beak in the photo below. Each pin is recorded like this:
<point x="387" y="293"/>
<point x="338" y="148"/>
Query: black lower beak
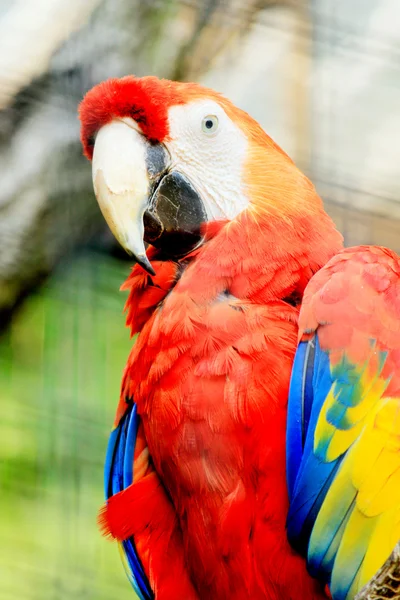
<point x="175" y="215"/>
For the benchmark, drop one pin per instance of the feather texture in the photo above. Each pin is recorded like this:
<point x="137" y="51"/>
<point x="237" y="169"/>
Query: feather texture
<point x="345" y="476"/>
<point x="118" y="477"/>
<point x="139" y="515"/>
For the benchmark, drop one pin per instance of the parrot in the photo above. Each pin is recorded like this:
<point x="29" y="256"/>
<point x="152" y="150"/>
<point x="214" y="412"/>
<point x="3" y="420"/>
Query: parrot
<point x="255" y="452"/>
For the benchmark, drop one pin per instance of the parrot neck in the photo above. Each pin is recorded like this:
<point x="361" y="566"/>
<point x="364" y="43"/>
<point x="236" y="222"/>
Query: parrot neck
<point x="259" y="257"/>
<point x="268" y="252"/>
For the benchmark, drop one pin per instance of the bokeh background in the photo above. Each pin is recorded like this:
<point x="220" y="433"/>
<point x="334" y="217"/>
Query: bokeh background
<point x="322" y="77"/>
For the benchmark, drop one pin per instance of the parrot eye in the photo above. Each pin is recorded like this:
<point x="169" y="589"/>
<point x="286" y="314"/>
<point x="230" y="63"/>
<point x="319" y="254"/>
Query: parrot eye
<point x="209" y="124"/>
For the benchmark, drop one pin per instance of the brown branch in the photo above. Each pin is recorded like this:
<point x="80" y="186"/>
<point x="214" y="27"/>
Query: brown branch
<point x="386" y="583"/>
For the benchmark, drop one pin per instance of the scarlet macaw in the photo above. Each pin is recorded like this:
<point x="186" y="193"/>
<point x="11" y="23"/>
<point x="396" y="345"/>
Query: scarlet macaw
<point x="234" y="455"/>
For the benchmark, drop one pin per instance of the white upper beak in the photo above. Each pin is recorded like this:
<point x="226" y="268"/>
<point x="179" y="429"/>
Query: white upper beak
<point x="121" y="183"/>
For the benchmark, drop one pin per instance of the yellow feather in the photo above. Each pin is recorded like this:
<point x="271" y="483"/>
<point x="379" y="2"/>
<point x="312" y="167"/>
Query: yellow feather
<point x="342" y="440"/>
<point x="324" y="430"/>
<point x="382" y="490"/>
<point x="379" y="489"/>
<point x="355" y="542"/>
<point x="367" y="450"/>
<point x="337" y="441"/>
<point x="382" y="542"/>
<point x="333" y="548"/>
<point x="335" y="497"/>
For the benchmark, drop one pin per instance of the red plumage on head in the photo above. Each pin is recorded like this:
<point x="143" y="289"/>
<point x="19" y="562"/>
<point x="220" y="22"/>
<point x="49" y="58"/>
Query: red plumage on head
<point x="144" y="99"/>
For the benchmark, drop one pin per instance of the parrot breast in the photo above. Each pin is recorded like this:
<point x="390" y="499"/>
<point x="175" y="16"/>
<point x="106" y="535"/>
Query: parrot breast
<point x="210" y="376"/>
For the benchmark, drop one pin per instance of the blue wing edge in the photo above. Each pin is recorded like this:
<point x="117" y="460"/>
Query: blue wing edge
<point x="308" y="478"/>
<point x="118" y="475"/>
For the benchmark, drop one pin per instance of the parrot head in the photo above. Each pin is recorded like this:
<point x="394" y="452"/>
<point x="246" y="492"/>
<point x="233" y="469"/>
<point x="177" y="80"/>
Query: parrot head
<point x="168" y="157"/>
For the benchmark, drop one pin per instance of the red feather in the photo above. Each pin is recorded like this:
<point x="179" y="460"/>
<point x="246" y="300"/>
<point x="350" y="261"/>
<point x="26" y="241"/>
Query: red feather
<point x="210" y="374"/>
<point x="356" y="297"/>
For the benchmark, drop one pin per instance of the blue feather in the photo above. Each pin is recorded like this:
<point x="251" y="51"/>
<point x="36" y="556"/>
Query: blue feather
<point x="294" y="442"/>
<point x="112" y="441"/>
<point x="308" y="395"/>
<point x="312" y="475"/>
<point x="130" y="446"/>
<point x="118" y="476"/>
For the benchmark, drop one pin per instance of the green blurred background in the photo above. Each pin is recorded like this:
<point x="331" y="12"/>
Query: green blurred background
<point x="323" y="79"/>
<point x="60" y="367"/>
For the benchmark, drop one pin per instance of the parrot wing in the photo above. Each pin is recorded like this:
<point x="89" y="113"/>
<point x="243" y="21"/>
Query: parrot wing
<point x="139" y="514"/>
<point x="118" y="476"/>
<point x="343" y="432"/>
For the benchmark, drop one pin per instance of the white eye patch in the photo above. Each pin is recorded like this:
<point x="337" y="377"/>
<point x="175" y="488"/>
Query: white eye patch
<point x="210" y="149"/>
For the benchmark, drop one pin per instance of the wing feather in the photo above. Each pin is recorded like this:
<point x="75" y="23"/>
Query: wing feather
<point x="344" y="462"/>
<point x="118" y="476"/>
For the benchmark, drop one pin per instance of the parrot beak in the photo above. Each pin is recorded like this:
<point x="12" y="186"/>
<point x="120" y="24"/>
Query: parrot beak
<point x="141" y="200"/>
<point x="121" y="185"/>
